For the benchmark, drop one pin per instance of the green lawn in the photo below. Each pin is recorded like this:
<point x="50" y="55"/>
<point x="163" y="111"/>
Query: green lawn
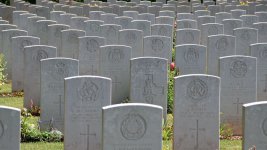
<point x="7" y="100"/>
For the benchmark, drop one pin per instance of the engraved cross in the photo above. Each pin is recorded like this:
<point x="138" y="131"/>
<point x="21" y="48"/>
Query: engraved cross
<point x="60" y="105"/>
<point x="93" y="70"/>
<point x="116" y="82"/>
<point x="88" y="134"/>
<point x="237" y="103"/>
<point x="197" y="129"/>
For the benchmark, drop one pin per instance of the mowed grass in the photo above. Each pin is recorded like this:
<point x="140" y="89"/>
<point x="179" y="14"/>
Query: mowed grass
<point x="18" y="103"/>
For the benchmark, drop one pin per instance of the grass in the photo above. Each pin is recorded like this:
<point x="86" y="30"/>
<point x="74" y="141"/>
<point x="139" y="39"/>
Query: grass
<point x="17" y="102"/>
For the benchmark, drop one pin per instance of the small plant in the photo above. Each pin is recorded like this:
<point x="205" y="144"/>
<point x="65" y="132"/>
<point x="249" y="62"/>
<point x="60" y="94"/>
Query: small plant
<point x="30" y="132"/>
<point x="167" y="131"/>
<point x="3" y="76"/>
<point x="226" y="132"/>
<point x="34" y="109"/>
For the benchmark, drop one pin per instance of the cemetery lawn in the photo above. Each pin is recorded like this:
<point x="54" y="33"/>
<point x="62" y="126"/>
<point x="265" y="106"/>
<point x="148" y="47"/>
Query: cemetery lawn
<point x="16" y="100"/>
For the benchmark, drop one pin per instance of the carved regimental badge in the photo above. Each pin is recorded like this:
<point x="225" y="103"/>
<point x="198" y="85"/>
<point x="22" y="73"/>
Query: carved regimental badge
<point x="60" y="71"/>
<point x="133" y="126"/>
<point x="41" y="54"/>
<point x="238" y="69"/>
<point x="115" y="55"/>
<point x="89" y="92"/>
<point x="197" y="89"/>
<point x="191" y="56"/>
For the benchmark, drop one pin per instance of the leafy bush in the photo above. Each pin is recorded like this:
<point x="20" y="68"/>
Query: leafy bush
<point x="171" y="75"/>
<point x="3" y="76"/>
<point x="31" y="133"/>
<point x="226" y="132"/>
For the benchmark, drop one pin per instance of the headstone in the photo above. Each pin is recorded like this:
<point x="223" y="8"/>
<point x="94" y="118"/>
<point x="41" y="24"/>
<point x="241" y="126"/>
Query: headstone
<point x="262" y="16"/>
<point x="158" y="46"/>
<point x="219" y="17"/>
<point x="167" y="13"/>
<point x="89" y="49"/>
<point x="132" y="14"/>
<point x="165" y="20"/>
<point x="83" y="123"/>
<point x="66" y="18"/>
<point x="190" y="59"/>
<point x="214" y="9"/>
<point x="199" y="13"/>
<point x="230" y="24"/>
<point x="53" y="72"/>
<point x="54" y="36"/>
<point x="32" y="56"/>
<point x="110" y="32"/>
<point x="147" y="17"/>
<point x="249" y="20"/>
<point x="70" y="43"/>
<point x="236" y="13"/>
<point x="31" y="24"/>
<point x="9" y="128"/>
<point x="205" y="19"/>
<point x="42" y="27"/>
<point x="7" y="48"/>
<point x="196" y="113"/>
<point x="218" y="46"/>
<point x="254" y="125"/>
<point x="162" y="29"/>
<point x="186" y="23"/>
<point x="245" y="37"/>
<point x="92" y="27"/>
<point x="238" y="86"/>
<point x="115" y="64"/>
<point x="134" y="39"/>
<point x="262" y="31"/>
<point x="259" y="50"/>
<point x="55" y="15"/>
<point x="95" y="15"/>
<point x="124" y="21"/>
<point x="187" y="36"/>
<point x="108" y="18"/>
<point x="181" y="16"/>
<point x="142" y="25"/>
<point x="18" y="43"/>
<point x="78" y="22"/>
<point x="210" y="29"/>
<point x="132" y="126"/>
<point x="149" y="81"/>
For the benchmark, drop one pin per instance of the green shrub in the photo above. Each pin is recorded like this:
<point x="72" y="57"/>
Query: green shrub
<point x="31" y="133"/>
<point x="171" y="75"/>
<point x="226" y="132"/>
<point x="3" y="76"/>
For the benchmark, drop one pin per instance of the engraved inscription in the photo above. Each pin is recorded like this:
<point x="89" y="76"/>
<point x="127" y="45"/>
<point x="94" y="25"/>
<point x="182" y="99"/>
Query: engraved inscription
<point x="163" y="31"/>
<point x="73" y="38"/>
<point x="94" y="27"/>
<point x="130" y="38"/>
<point x="133" y="126"/>
<point x="115" y="55"/>
<point x="92" y="45"/>
<point x="157" y="45"/>
<point x="263" y="53"/>
<point x="197" y="89"/>
<point x="188" y="37"/>
<point x="264" y="127"/>
<point x="25" y="43"/>
<point x="238" y="69"/>
<point x="221" y="44"/>
<point x="245" y="36"/>
<point x="89" y="92"/>
<point x="111" y="32"/>
<point x="1" y="129"/>
<point x="60" y="71"/>
<point x="191" y="56"/>
<point x="213" y="30"/>
<point x="41" y="54"/>
<point x="151" y="89"/>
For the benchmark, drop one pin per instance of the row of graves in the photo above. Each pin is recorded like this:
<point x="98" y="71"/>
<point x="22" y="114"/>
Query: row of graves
<point x="80" y="61"/>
